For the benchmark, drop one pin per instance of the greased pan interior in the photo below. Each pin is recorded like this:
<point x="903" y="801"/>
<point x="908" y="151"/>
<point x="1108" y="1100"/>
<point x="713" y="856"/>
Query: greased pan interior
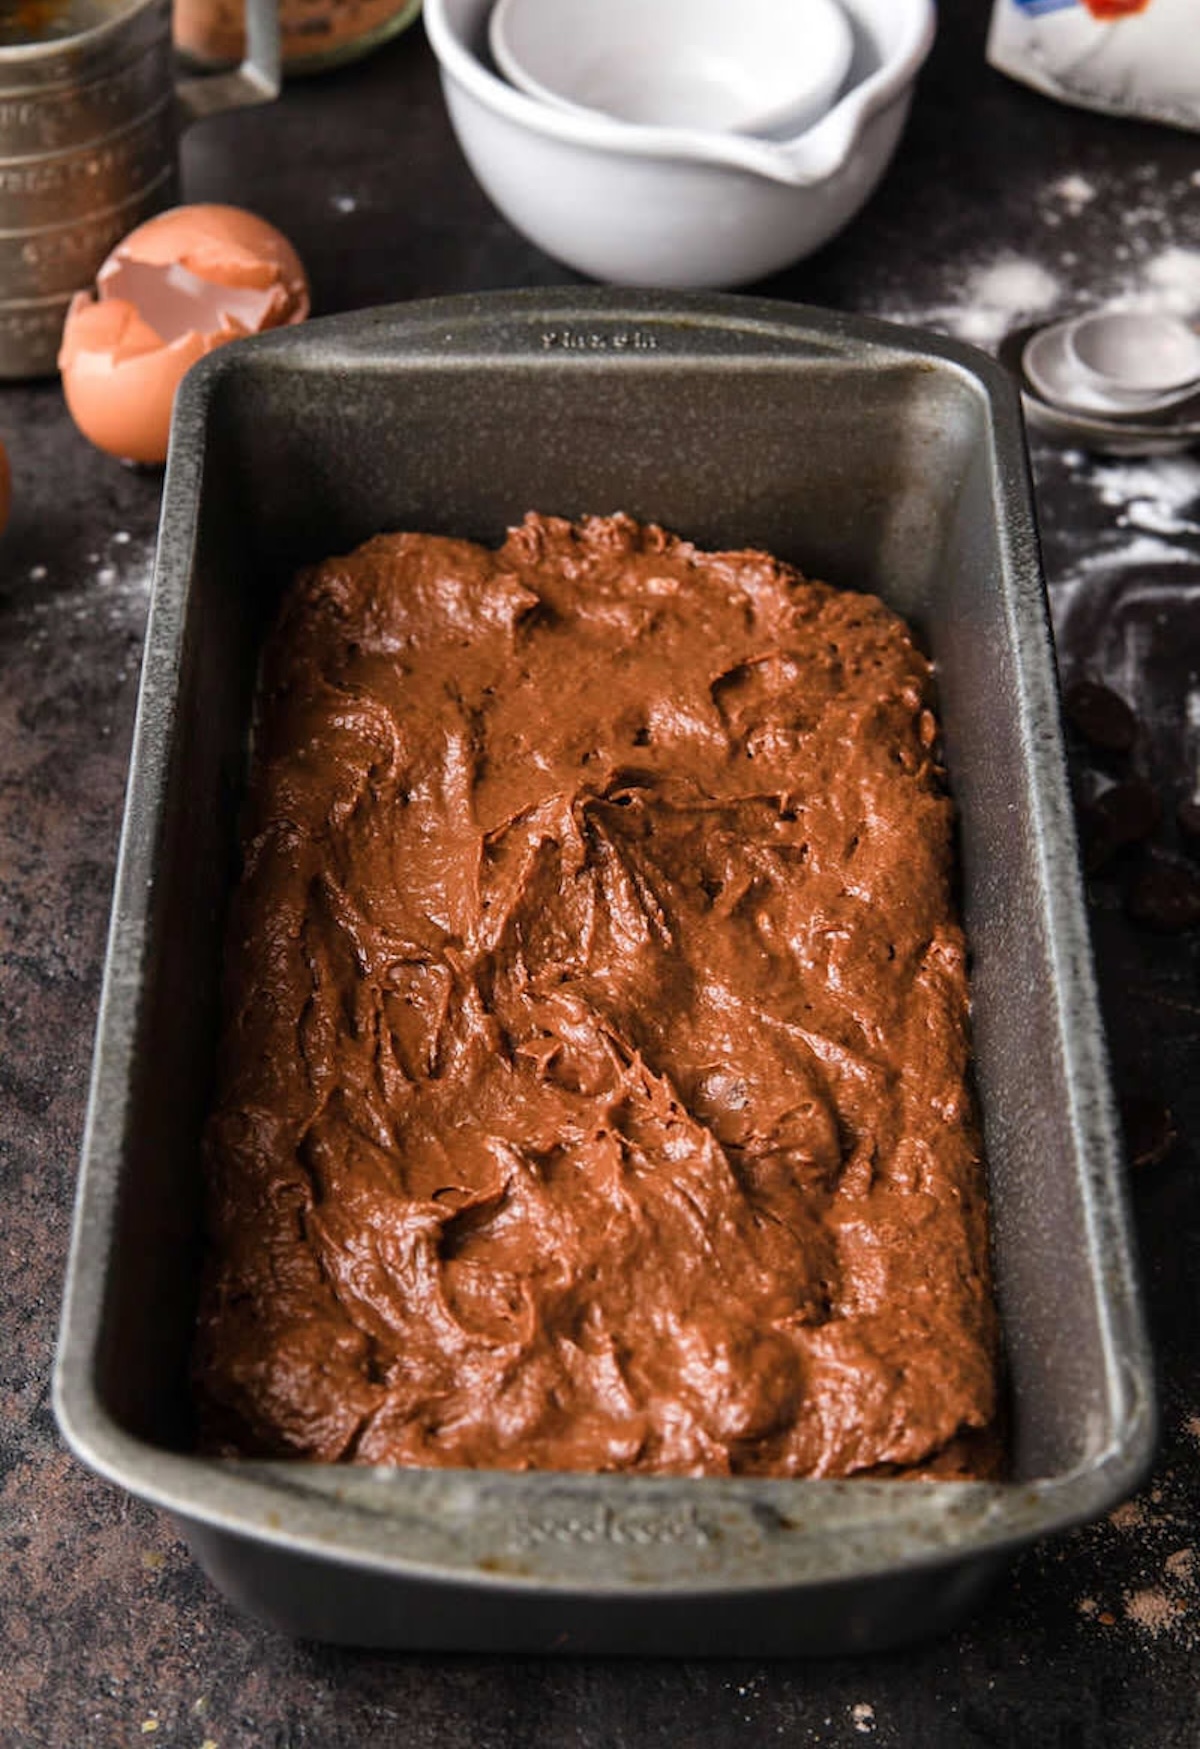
<point x="874" y="456"/>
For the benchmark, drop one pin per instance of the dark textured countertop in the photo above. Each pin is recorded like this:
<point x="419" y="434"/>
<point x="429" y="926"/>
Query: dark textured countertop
<point x="1001" y="208"/>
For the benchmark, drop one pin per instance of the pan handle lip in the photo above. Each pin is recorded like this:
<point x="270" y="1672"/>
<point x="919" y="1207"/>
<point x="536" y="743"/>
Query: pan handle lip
<point x="594" y="1534"/>
<point x="577" y="324"/>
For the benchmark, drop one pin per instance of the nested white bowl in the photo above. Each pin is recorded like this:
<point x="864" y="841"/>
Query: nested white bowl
<point x="757" y="67"/>
<point x="679" y="207"/>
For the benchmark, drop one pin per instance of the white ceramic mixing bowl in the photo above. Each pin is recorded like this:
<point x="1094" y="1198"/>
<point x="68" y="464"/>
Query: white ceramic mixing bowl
<point x="653" y="206"/>
<point x="755" y="67"/>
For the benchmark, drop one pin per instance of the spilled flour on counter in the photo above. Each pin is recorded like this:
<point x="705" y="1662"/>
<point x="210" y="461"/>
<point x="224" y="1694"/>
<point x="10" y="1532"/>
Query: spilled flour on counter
<point x="1172" y="281"/>
<point x="1130" y="237"/>
<point x="109" y="594"/>
<point x="114" y="584"/>
<point x="1014" y="291"/>
<point x="1161" y="497"/>
<point x="1154" y="525"/>
<point x="997" y="296"/>
<point x="1003" y="295"/>
<point x="1075" y="192"/>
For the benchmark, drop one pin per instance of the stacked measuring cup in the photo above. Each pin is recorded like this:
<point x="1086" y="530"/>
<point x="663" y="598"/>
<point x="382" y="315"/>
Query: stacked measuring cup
<point x="759" y="67"/>
<point x="90" y="117"/>
<point x="1124" y="381"/>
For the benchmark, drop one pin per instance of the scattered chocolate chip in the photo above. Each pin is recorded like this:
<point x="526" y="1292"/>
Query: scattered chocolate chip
<point x="1125" y="813"/>
<point x="1130" y="810"/>
<point x="1101" y="716"/>
<point x="1188" y="816"/>
<point x="1166" y="896"/>
<point x="1149" y="1128"/>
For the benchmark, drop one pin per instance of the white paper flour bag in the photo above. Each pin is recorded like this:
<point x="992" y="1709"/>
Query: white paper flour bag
<point x="1130" y="57"/>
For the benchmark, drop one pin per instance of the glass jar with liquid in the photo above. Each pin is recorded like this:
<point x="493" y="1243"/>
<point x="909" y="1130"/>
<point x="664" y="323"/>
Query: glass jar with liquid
<point x="315" y="34"/>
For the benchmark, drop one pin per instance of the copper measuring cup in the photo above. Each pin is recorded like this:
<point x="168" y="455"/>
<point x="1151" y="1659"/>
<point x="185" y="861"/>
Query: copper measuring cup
<point x="90" y="118"/>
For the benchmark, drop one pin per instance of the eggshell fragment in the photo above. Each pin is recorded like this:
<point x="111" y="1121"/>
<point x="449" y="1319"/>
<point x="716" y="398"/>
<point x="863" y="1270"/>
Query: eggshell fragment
<point x="179" y="286"/>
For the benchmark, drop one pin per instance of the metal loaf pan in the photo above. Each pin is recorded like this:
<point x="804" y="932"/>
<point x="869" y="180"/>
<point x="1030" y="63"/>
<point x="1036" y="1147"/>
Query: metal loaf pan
<point x="870" y="455"/>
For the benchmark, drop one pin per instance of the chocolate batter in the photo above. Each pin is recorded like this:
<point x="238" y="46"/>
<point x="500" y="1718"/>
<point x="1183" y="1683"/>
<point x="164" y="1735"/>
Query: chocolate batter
<point x="594" y="1080"/>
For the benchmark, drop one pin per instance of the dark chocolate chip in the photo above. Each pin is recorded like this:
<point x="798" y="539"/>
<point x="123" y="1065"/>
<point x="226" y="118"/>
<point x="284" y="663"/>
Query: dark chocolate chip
<point x="1101" y="716"/>
<point x="1149" y="1128"/>
<point x="1188" y="816"/>
<point x="1125" y="813"/>
<point x="1166" y="896"/>
<point x="1128" y="811"/>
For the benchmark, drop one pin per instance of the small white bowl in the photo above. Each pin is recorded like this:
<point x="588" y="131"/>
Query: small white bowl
<point x="754" y="66"/>
<point x="679" y="207"/>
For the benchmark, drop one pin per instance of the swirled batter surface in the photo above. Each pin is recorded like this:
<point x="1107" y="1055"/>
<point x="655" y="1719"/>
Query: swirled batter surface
<point x="594" y="1088"/>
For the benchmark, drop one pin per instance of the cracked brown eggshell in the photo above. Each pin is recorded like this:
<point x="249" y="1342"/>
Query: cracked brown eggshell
<point x="185" y="282"/>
